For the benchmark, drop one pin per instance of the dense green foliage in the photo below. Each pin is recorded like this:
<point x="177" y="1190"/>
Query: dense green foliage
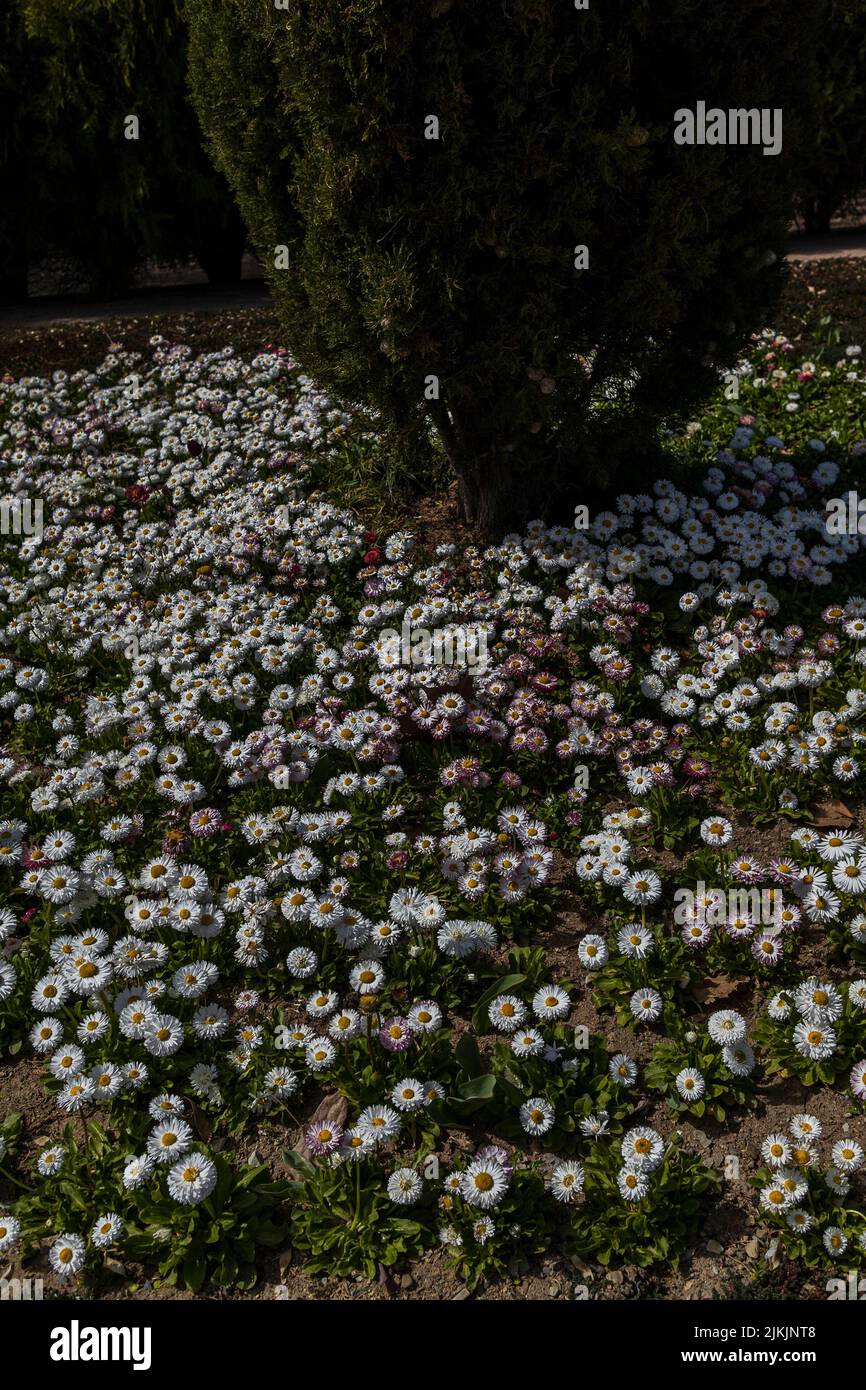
<point x="833" y="163"/>
<point x="408" y="257"/>
<point x="75" y="186"/>
<point x="19" y="83"/>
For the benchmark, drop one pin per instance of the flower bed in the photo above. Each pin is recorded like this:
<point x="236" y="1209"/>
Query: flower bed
<point x="270" y="873"/>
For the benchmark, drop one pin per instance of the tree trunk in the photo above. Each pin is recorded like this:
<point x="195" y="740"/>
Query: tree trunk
<point x="222" y="264"/>
<point x="219" y="247"/>
<point x="817" y="213"/>
<point x="13" y="267"/>
<point x="13" y="280"/>
<point x="501" y="488"/>
<point x="485" y="492"/>
<point x="482" y="504"/>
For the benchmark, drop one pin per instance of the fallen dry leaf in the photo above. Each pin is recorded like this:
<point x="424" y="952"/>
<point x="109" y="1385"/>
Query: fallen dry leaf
<point x="717" y="987"/>
<point x="333" y="1110"/>
<point x="829" y="814"/>
<point x="201" y="1123"/>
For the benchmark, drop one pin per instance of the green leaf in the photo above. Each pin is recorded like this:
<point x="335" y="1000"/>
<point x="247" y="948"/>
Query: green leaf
<point x="245" y="1247"/>
<point x="468" y="1056"/>
<point x="405" y="1227"/>
<point x="504" y="985"/>
<point x="270" y="1235"/>
<point x="474" y="1094"/>
<point x="225" y="1181"/>
<point x="194" y="1272"/>
<point x="11" y="1125"/>
<point x="479" y="1088"/>
<point x="511" y="1090"/>
<point x="250" y="1174"/>
<point x="293" y="1159"/>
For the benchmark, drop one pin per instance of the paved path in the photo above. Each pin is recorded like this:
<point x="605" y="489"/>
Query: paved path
<point x="178" y="299"/>
<point x="202" y="299"/>
<point x="843" y="243"/>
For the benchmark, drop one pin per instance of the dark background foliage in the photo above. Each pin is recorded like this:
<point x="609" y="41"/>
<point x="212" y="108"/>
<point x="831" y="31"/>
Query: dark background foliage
<point x="74" y="187"/>
<point x="832" y="165"/>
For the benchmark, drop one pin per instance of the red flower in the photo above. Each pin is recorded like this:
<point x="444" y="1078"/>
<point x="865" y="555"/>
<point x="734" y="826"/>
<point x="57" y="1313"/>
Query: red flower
<point x="372" y="557"/>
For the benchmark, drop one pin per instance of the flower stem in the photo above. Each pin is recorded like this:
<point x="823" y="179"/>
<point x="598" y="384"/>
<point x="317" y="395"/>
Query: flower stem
<point x="357" y="1215"/>
<point x="17" y="1181"/>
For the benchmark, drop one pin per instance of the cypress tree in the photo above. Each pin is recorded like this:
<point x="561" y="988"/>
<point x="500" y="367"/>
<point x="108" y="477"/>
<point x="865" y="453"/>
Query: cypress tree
<point x="421" y="179"/>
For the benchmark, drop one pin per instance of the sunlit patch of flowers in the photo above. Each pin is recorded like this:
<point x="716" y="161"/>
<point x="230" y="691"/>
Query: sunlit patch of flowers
<point x="811" y="1192"/>
<point x="815" y="1030"/>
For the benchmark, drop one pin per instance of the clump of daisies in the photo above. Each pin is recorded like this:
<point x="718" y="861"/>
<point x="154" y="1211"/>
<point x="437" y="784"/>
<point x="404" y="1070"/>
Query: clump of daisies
<point x="708" y="1069"/>
<point x="493" y="1207"/>
<point x="811" y="1191"/>
<point x="815" y="1031"/>
<point x="642" y="1199"/>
